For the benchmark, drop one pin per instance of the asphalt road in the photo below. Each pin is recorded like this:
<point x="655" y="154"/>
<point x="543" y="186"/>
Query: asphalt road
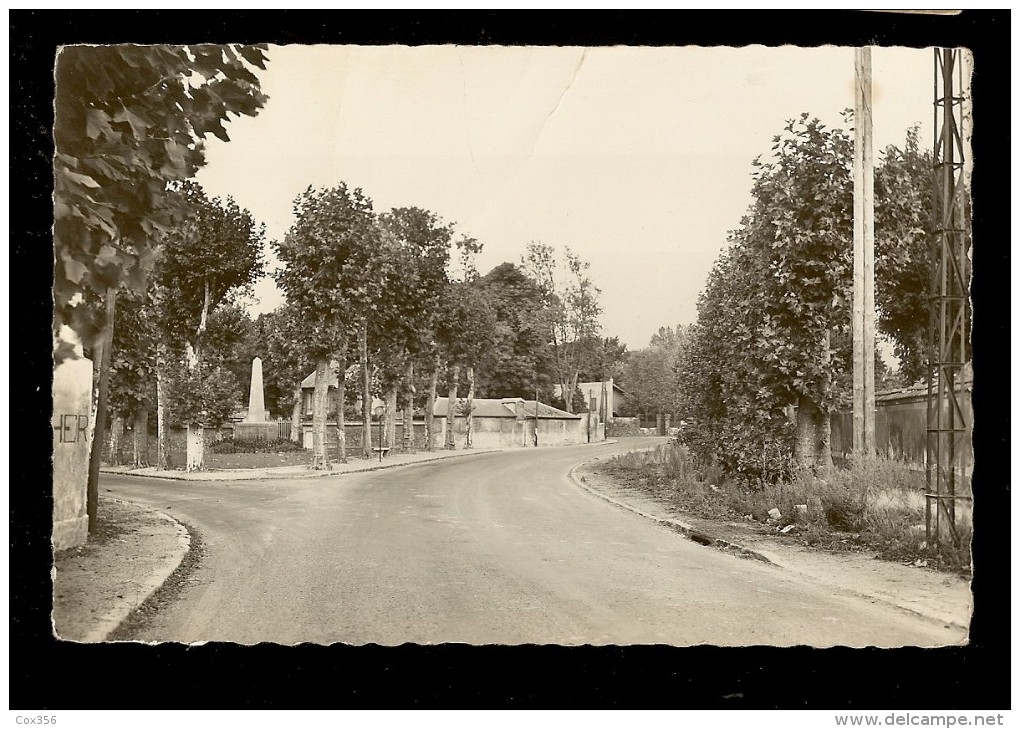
<point x="497" y="548"/>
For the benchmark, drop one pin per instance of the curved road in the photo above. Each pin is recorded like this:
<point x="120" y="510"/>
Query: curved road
<point x="495" y="548"/>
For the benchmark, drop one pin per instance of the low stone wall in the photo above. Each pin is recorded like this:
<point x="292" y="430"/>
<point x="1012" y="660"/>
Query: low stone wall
<point x="353" y="435"/>
<point x="178" y="442"/>
<point x="488" y="433"/>
<point x="619" y="427"/>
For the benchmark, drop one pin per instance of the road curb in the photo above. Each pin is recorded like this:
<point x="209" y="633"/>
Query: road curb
<point x="235" y="476"/>
<point x="163" y="572"/>
<point x="688" y="531"/>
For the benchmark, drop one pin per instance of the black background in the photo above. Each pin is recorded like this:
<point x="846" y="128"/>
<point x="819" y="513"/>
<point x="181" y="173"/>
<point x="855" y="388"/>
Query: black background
<point x="47" y="674"/>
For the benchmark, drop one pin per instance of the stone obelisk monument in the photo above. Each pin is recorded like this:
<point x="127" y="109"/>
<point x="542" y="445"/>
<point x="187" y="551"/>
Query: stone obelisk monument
<point x="255" y="425"/>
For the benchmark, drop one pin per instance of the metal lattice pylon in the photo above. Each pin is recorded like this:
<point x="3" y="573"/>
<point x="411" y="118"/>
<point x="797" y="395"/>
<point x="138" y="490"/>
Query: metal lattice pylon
<point x="946" y="467"/>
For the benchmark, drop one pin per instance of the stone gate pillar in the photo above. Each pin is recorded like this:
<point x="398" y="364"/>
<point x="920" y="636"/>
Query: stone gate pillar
<point x="72" y="444"/>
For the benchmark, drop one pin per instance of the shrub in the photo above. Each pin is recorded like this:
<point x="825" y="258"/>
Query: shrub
<point x="275" y="445"/>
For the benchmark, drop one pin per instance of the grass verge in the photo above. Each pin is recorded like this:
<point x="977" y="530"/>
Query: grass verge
<point x="874" y="504"/>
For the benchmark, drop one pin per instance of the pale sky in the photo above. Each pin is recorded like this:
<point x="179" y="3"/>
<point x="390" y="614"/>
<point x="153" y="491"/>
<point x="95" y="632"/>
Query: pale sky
<point x="637" y="158"/>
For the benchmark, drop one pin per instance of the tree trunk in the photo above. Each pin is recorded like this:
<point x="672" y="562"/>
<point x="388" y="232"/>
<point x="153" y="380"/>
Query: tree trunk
<point x="99" y="432"/>
<point x="451" y="407"/>
<point x="409" y="444"/>
<point x="390" y="419"/>
<point x="469" y="418"/>
<point x="116" y="441"/>
<point x="162" y="416"/>
<point x="568" y="395"/>
<point x="813" y="449"/>
<point x="196" y="447"/>
<point x="295" y="415"/>
<point x="141" y="437"/>
<point x="366" y="391"/>
<point x="341" y="396"/>
<point x="320" y="403"/>
<point x="430" y="407"/>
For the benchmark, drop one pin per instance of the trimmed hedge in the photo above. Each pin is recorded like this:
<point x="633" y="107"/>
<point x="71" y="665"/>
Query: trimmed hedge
<point x="276" y="445"/>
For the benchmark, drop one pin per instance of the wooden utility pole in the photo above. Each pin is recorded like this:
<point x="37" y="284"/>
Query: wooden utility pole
<point x="864" y="259"/>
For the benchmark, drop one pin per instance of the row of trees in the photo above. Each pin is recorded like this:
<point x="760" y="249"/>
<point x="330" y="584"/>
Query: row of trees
<point x="174" y="345"/>
<point x="773" y="329"/>
<point x="130" y="122"/>
<point x="397" y="294"/>
<point x="392" y="301"/>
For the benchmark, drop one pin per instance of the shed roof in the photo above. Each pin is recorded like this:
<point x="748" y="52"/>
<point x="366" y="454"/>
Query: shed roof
<point x="920" y="389"/>
<point x="505" y="408"/>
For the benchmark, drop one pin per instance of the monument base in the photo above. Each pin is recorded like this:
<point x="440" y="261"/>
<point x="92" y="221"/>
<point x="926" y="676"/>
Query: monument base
<point x="256" y="431"/>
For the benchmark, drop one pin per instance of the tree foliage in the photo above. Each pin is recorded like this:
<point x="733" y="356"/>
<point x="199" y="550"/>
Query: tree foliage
<point x="327" y="255"/>
<point x="772" y="304"/>
<point x="128" y="120"/>
<point x="606" y="358"/>
<point x="215" y="252"/>
<point x="285" y="362"/>
<point x="572" y="299"/>
<point x="133" y="356"/>
<point x="903" y="205"/>
<point x="774" y="319"/>
<point x="650" y="373"/>
<point x="205" y="394"/>
<point x="520" y="359"/>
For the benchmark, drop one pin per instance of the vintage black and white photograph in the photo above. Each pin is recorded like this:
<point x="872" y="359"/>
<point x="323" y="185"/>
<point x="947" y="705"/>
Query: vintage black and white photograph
<point x="512" y="345"/>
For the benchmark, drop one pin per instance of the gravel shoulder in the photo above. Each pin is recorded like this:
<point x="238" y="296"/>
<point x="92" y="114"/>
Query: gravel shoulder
<point x="938" y="596"/>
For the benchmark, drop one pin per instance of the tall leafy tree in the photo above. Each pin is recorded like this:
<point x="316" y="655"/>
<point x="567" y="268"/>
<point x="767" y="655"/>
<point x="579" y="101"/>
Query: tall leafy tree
<point x="285" y="363"/>
<point x="903" y="205"/>
<point x="775" y="306"/>
<point x="215" y="252"/>
<point x="520" y="360"/>
<point x="326" y="253"/>
<point x="465" y="334"/>
<point x="573" y="300"/>
<point x="607" y="359"/>
<point x="420" y="246"/>
<point x="128" y="120"/>
<point x="650" y="373"/>
<point x="132" y="368"/>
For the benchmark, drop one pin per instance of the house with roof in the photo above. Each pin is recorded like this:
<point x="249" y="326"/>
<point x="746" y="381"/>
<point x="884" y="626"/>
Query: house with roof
<point x="592" y="392"/>
<point x="308" y="389"/>
<point x="496" y="422"/>
<point x="514" y="422"/>
<point x="901" y="423"/>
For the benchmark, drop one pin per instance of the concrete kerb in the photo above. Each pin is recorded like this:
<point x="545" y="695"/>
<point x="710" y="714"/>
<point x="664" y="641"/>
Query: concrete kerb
<point x="278" y="473"/>
<point x="165" y="568"/>
<point x="688" y="531"/>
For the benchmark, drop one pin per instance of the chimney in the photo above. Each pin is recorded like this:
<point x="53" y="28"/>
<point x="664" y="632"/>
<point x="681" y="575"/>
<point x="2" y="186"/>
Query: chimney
<point x="518" y="406"/>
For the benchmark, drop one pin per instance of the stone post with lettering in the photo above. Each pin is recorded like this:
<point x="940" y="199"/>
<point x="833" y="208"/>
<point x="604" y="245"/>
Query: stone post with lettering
<point x="72" y="444"/>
